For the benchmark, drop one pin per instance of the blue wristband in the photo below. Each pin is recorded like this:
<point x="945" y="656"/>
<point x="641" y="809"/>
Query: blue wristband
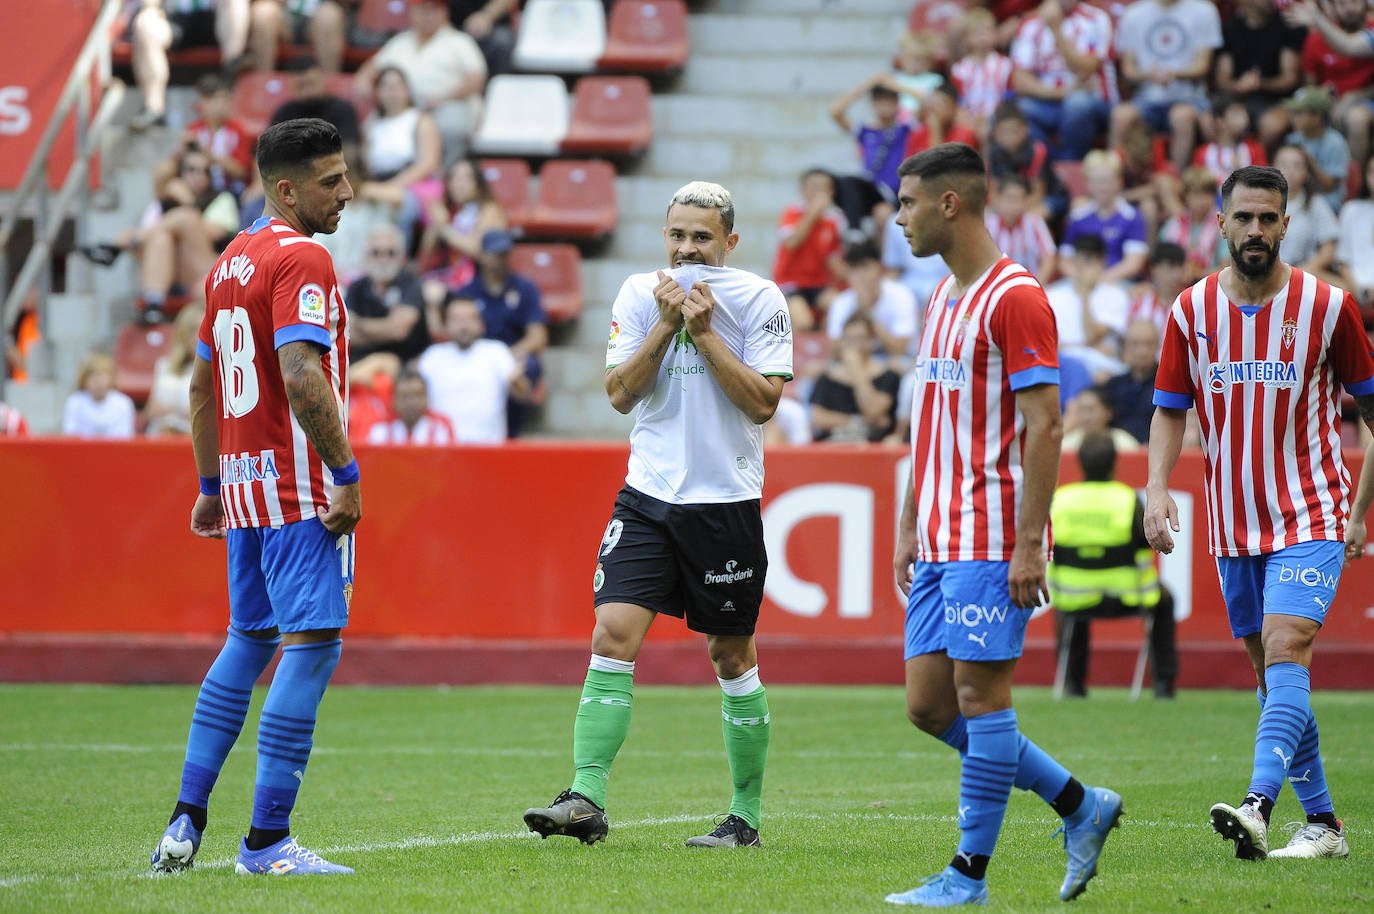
<point x="209" y="485"/>
<point x="346" y="475"/>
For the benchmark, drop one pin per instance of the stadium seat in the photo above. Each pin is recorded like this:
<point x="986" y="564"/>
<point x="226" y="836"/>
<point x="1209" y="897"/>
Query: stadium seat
<point x="557" y="270"/>
<point x="380" y="19"/>
<point x="560" y="36"/>
<point x="509" y="180"/>
<point x="577" y="200"/>
<point x="610" y="116"/>
<point x="525" y="116"/>
<point x="136" y="352"/>
<point x="257" y="95"/>
<point x="646" y="36"/>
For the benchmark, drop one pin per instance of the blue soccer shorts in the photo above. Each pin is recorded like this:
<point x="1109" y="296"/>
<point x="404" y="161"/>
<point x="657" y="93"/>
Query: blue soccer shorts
<point x="1299" y="580"/>
<point x="965" y="609"/>
<point x="295" y="578"/>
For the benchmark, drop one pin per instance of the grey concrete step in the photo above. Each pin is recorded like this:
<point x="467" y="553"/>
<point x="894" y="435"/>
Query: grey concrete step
<point x="781" y="73"/>
<point x="769" y="119"/>
<point x="832" y="10"/>
<point x="41" y="404"/>
<point x="740" y="156"/>
<point x="786" y="33"/>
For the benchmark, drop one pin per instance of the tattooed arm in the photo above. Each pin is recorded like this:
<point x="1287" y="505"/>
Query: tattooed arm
<point x="317" y="410"/>
<point x="630" y="381"/>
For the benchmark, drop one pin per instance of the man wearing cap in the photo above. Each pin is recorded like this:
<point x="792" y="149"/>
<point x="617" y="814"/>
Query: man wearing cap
<point x="513" y="314"/>
<point x="444" y="67"/>
<point x="1328" y="150"/>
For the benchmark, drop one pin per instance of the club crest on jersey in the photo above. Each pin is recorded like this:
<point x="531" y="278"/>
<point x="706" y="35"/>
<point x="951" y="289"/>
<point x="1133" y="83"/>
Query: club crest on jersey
<point x="311" y="299"/>
<point x="1222" y="375"/>
<point x="1290" y="332"/>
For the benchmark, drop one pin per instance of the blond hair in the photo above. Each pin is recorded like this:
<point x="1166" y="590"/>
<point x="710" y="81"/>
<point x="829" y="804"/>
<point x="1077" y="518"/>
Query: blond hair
<point x="706" y="195"/>
<point x="1102" y="159"/>
<point x="96" y="361"/>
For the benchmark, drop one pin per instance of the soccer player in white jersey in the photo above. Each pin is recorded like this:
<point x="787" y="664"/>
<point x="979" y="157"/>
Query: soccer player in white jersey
<point x="699" y="352"/>
<point x="1262" y="350"/>
<point x="971" y="548"/>
<point x="269" y="397"/>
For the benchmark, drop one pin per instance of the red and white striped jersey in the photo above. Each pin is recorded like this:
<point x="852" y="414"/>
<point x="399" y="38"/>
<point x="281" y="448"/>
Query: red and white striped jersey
<point x="1146" y="305"/>
<point x="1222" y="160"/>
<point x="12" y="421"/>
<point x="1089" y="28"/>
<point x="982" y="84"/>
<point x="1266" y="381"/>
<point x="975" y="353"/>
<point x="433" y="428"/>
<point x="271" y="286"/>
<point x="1025" y="242"/>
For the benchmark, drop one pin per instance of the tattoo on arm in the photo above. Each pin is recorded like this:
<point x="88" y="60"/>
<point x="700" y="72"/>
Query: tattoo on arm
<point x="621" y="381"/>
<point x="314" y="405"/>
<point x="658" y="352"/>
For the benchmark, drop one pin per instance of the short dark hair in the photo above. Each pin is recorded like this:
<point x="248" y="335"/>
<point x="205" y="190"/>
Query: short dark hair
<point x="1011" y="179"/>
<point x="287" y="148"/>
<point x="861" y="251"/>
<point x="1090" y="246"/>
<point x="1264" y="177"/>
<point x="953" y="162"/>
<point x="878" y="92"/>
<point x="1170" y="253"/>
<point x="817" y="170"/>
<point x="409" y="373"/>
<point x="1097" y="457"/>
<point x="1008" y="111"/>
<point x="211" y="84"/>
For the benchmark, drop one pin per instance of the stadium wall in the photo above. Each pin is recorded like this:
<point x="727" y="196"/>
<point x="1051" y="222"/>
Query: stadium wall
<point x="475" y="565"/>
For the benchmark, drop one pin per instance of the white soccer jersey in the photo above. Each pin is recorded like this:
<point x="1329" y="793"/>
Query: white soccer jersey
<point x="690" y="444"/>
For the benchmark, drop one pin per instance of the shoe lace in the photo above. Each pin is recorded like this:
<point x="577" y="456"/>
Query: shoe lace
<point x="308" y="857"/>
<point x="1308" y="831"/>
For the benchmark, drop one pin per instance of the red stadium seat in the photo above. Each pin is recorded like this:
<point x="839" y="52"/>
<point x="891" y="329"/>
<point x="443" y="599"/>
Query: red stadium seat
<point x="383" y="18"/>
<point x="610" y="116"/>
<point x="557" y="270"/>
<point x="257" y="95"/>
<point x="136" y="352"/>
<point x="509" y="180"/>
<point x="577" y="200"/>
<point x="646" y="36"/>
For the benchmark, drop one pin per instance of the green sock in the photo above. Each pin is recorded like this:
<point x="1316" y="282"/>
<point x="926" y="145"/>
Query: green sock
<point x="745" y="724"/>
<point x="603" y="719"/>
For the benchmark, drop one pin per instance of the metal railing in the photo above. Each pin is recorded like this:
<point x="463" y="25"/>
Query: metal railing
<point x="73" y="198"/>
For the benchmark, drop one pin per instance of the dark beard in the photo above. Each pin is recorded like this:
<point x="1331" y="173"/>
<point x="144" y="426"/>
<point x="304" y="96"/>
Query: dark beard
<point x="1250" y="269"/>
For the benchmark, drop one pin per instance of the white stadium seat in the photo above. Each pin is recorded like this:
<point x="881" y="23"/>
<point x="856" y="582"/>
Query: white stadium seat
<point x="560" y="36"/>
<point x="524" y="116"/>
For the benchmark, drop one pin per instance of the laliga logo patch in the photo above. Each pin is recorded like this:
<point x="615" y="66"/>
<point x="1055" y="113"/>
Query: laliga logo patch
<point x="615" y="333"/>
<point x="311" y="300"/>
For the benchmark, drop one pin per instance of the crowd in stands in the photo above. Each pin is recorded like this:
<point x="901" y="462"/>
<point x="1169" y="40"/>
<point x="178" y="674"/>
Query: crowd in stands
<point x="1108" y="128"/>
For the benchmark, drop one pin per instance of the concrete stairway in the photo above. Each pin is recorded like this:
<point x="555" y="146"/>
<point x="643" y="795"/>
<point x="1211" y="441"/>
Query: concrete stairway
<point x="750" y="113"/>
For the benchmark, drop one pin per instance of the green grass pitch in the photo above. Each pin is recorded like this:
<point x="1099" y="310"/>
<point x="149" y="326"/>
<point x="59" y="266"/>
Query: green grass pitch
<point x="421" y="790"/>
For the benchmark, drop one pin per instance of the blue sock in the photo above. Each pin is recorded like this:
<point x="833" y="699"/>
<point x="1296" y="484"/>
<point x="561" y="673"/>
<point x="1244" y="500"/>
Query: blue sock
<point x="287" y="730"/>
<point x="1283" y="719"/>
<point x="221" y="708"/>
<point x="1036" y="771"/>
<point x="985" y="781"/>
<point x="1306" y="774"/>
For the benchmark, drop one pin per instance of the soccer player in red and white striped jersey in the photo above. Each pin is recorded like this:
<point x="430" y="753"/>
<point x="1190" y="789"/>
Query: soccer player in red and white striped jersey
<point x="1262" y="350"/>
<point x="971" y="544"/>
<point x="269" y="397"/>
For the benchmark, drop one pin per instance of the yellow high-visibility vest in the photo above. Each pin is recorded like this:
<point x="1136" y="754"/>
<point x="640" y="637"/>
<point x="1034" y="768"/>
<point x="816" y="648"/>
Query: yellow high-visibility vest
<point x="1094" y="557"/>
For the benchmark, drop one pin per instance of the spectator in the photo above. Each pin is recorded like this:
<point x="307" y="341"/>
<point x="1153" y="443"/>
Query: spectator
<point x="1149" y="181"/>
<point x="491" y="25"/>
<point x="168" y="410"/>
<point x="938" y="122"/>
<point x="370" y="384"/>
<point x="1094" y="521"/>
<point x="402" y="152"/>
<point x="889" y="306"/>
<point x="445" y="69"/>
<point x="1013" y="151"/>
<point x="1260" y="65"/>
<point x="917" y="73"/>
<point x="1109" y="217"/>
<point x="1327" y="151"/>
<point x="320" y="23"/>
<point x="1090" y="413"/>
<point x="1195" y="227"/>
<point x="1090" y="309"/>
<point x="855" y="397"/>
<point x="982" y="75"/>
<point x="809" y="246"/>
<point x="882" y="145"/>
<point x="1343" y="63"/>
<point x="1023" y="236"/>
<point x="1152" y="299"/>
<point x="1166" y="48"/>
<point x="385" y="306"/>
<point x="1064" y="77"/>
<point x="470" y="377"/>
<point x="159" y="27"/>
<point x="790" y="424"/>
<point x="452" y="239"/>
<point x="14" y="425"/>
<point x="920" y="275"/>
<point x="1130" y="395"/>
<point x="513" y="314"/>
<point x="96" y="409"/>
<point x="1232" y="145"/>
<point x="1355" y="248"/>
<point x="310" y="97"/>
<point x="1309" y="242"/>
<point x="414" y="422"/>
<point x="227" y="142"/>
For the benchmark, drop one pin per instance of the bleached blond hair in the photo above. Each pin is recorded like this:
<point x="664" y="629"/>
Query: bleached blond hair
<point x="707" y="196"/>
